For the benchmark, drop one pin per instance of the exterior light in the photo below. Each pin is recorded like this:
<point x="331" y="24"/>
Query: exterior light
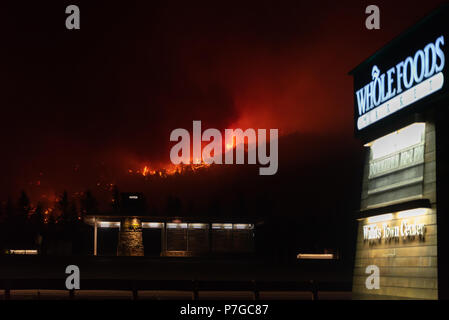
<point x="108" y="224"/>
<point x="176" y="225"/>
<point x="221" y="225"/>
<point x="241" y="226"/>
<point x="380" y="218"/>
<point x="154" y="225"/>
<point x="197" y="225"/>
<point x="398" y="140"/>
<point x="315" y="256"/>
<point x="14" y="251"/>
<point x="412" y="213"/>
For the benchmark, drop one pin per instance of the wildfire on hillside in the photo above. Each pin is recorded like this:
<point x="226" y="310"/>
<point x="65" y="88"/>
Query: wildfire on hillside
<point x="169" y="170"/>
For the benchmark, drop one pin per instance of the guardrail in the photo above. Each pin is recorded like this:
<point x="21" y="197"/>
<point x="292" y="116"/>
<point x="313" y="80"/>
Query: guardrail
<point x="193" y="286"/>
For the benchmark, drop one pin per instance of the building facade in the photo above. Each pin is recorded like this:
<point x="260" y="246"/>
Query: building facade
<point x="401" y="102"/>
<point x="130" y="232"/>
<point x="126" y="235"/>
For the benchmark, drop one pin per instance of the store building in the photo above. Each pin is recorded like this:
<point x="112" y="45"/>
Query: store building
<point x="401" y="103"/>
<point x="166" y="236"/>
<point x="131" y="233"/>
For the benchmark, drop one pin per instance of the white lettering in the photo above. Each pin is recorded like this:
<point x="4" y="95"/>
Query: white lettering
<point x="425" y="64"/>
<point x="234" y="139"/>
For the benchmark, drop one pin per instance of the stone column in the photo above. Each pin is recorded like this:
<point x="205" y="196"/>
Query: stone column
<point x="130" y="241"/>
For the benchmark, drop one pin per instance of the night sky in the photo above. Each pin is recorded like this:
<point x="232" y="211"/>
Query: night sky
<point x="82" y="107"/>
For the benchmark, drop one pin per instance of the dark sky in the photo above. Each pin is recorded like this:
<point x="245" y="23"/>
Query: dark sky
<point x="85" y="105"/>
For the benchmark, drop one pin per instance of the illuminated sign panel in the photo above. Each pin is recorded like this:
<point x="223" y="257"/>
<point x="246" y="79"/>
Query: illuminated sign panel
<point x="409" y="81"/>
<point x="385" y="231"/>
<point x="404" y="76"/>
<point x="406" y="225"/>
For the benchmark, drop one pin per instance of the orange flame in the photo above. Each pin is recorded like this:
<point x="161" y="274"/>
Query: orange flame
<point x="168" y="170"/>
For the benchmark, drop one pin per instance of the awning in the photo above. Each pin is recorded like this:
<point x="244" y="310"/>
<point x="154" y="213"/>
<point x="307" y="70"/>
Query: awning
<point x="407" y="205"/>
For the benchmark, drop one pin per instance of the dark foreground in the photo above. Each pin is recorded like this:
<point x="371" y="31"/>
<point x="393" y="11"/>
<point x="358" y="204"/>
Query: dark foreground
<point x="38" y="277"/>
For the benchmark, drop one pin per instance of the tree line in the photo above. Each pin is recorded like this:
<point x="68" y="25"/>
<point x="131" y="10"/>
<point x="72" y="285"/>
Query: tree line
<point x="55" y="229"/>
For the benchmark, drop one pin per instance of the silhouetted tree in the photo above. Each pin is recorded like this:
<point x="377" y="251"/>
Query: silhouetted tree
<point x="115" y="200"/>
<point x="37" y="222"/>
<point x="63" y="205"/>
<point x="38" y="216"/>
<point x="23" y="206"/>
<point x="89" y="204"/>
<point x="52" y="218"/>
<point x="72" y="214"/>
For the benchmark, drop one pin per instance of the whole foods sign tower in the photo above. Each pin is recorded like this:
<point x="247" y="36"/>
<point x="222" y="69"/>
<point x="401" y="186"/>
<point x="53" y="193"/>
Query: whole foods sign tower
<point x="409" y="81"/>
<point x="401" y="107"/>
